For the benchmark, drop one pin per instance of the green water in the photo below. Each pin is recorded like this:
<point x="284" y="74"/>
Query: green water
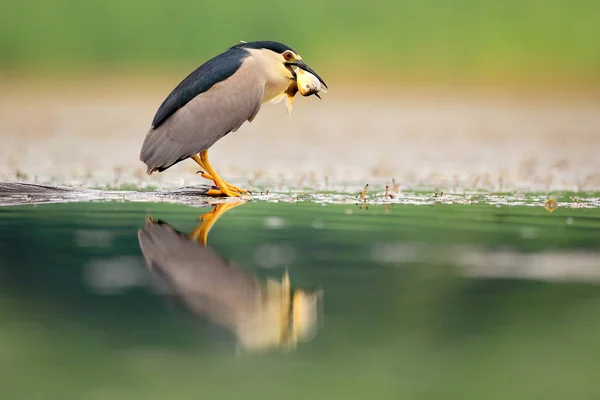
<point x="427" y="302"/>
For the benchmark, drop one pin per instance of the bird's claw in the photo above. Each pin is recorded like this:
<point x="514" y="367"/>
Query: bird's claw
<point x="230" y="187"/>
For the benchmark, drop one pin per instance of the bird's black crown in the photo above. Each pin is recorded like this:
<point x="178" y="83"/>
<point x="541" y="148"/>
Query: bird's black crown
<point x="265" y="44"/>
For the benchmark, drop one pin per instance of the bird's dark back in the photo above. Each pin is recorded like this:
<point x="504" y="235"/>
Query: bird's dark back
<point x="199" y="81"/>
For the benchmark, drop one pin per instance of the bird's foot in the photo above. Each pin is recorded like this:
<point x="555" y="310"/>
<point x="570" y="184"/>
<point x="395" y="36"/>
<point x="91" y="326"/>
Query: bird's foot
<point x="223" y="192"/>
<point x="230" y="187"/>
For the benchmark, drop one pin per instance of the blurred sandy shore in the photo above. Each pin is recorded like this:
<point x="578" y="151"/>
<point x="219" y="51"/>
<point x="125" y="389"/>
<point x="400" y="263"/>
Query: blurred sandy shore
<point x="91" y="137"/>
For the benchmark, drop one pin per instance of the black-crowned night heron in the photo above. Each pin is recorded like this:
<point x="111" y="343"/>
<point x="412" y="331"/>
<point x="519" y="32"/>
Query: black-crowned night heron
<point x="216" y="99"/>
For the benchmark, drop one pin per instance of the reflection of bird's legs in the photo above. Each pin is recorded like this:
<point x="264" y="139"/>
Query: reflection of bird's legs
<point x="209" y="219"/>
<point x="202" y="161"/>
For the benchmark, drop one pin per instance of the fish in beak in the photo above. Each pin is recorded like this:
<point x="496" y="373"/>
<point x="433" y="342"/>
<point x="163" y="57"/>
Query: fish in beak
<point x="303" y="66"/>
<point x="307" y="82"/>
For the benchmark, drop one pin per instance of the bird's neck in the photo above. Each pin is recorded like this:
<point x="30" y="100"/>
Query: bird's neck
<point x="271" y="72"/>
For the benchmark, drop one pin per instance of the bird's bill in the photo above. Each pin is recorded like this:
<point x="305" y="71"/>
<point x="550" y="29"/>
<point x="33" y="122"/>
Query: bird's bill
<point x="301" y="64"/>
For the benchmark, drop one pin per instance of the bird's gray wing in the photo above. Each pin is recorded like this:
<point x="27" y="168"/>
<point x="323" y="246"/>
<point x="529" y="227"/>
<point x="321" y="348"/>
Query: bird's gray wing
<point x="205" y="119"/>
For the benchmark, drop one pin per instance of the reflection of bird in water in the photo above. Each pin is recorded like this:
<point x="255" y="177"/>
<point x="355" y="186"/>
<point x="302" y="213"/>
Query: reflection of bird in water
<point x="261" y="314"/>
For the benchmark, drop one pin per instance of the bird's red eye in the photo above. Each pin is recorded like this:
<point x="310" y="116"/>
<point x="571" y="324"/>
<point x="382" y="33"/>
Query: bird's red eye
<point x="287" y="55"/>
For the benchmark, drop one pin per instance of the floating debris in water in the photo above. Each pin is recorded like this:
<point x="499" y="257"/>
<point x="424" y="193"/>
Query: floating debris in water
<point x="387" y="192"/>
<point x="363" y="193"/>
<point x="550" y="205"/>
<point x="15" y="194"/>
<point x="395" y="186"/>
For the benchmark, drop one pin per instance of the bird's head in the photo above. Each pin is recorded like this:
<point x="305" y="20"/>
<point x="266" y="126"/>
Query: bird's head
<point x="291" y="60"/>
<point x="284" y="55"/>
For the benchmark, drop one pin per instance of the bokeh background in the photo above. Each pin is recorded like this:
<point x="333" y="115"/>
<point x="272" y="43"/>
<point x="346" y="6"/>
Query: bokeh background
<point x="442" y="95"/>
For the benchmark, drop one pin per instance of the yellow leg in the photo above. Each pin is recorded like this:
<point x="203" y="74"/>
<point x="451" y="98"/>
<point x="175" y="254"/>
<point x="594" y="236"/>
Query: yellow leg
<point x="203" y="164"/>
<point x="209" y="219"/>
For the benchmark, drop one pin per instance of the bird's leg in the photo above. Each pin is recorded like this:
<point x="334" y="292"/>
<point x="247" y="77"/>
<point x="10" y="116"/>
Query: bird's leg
<point x="229" y="186"/>
<point x="224" y="188"/>
<point x="208" y="220"/>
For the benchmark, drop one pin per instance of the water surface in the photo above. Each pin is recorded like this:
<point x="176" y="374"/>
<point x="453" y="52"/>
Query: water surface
<point x="398" y="301"/>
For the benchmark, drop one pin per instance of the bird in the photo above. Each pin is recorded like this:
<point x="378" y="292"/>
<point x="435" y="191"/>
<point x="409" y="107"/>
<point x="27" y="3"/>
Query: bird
<point x="215" y="99"/>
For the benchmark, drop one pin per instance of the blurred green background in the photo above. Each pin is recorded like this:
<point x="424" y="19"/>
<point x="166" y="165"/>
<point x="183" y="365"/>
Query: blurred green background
<point x="518" y="41"/>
